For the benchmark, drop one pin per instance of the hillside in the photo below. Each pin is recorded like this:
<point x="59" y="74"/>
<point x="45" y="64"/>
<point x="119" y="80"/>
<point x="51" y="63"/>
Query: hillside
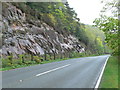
<point x="33" y="30"/>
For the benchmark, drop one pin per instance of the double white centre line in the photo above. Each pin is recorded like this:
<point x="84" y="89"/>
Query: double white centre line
<point x="53" y="70"/>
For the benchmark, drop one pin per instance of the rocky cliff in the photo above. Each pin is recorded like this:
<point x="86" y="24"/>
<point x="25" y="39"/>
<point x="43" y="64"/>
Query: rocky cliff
<point x="35" y="37"/>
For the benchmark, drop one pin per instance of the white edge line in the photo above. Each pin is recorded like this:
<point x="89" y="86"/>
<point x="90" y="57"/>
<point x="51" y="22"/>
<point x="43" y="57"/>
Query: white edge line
<point x="100" y="77"/>
<point x="52" y="70"/>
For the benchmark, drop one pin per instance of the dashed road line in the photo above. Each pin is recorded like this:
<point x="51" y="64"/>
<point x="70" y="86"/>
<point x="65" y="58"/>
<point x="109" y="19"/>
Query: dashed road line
<point x="53" y="70"/>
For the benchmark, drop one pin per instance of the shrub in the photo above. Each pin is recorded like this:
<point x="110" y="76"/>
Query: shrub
<point x="49" y="19"/>
<point x="21" y="58"/>
<point x="6" y="63"/>
<point x="48" y="57"/>
<point x="36" y="59"/>
<point x="10" y="58"/>
<point x="30" y="62"/>
<point x="41" y="58"/>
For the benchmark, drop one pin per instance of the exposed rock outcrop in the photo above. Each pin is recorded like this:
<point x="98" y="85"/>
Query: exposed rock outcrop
<point x="20" y="36"/>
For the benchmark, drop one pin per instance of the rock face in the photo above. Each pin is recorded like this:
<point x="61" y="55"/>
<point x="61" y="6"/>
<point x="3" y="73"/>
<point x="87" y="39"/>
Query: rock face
<point x="20" y="36"/>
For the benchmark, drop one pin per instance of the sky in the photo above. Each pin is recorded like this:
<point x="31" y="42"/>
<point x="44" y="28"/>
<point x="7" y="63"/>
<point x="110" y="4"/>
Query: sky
<point x="87" y="10"/>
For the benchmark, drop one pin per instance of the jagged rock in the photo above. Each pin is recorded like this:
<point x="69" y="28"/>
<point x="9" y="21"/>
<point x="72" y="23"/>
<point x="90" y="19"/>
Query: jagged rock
<point x="20" y="36"/>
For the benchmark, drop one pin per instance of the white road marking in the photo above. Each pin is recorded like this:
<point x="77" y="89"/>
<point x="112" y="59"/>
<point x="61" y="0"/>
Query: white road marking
<point x="100" y="77"/>
<point x="77" y="61"/>
<point x="21" y="80"/>
<point x="53" y="70"/>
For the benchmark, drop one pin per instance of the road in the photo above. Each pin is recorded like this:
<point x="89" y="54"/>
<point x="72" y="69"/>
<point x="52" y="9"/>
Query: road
<point x="73" y="73"/>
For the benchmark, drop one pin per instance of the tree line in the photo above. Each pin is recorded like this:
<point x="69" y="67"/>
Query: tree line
<point x="110" y="25"/>
<point x="64" y="18"/>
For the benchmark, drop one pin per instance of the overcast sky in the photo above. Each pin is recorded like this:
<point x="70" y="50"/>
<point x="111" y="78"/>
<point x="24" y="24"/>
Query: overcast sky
<point x="87" y="10"/>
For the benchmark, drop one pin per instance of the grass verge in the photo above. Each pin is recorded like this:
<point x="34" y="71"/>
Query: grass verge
<point x="14" y="66"/>
<point x="110" y="76"/>
<point x="25" y="65"/>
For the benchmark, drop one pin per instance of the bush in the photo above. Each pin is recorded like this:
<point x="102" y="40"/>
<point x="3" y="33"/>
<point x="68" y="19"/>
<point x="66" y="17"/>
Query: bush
<point x="30" y="62"/>
<point x="10" y="58"/>
<point x="36" y="59"/>
<point x="49" y="19"/>
<point x="6" y="63"/>
<point x="21" y="58"/>
<point x="76" y="54"/>
<point x="48" y="57"/>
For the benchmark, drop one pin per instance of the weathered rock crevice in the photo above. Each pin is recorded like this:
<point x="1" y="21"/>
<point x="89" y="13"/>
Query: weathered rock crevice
<point x="20" y="36"/>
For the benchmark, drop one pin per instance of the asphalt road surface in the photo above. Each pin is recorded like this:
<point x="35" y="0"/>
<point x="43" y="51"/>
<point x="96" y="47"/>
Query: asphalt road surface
<point x="73" y="73"/>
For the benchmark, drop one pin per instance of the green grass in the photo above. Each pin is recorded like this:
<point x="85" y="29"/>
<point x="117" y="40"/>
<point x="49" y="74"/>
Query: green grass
<point x="110" y="76"/>
<point x="25" y="65"/>
<point x="31" y="63"/>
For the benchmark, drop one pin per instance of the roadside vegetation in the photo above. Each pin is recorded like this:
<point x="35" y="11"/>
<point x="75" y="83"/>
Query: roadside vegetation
<point x="28" y="60"/>
<point x="110" y="25"/>
<point x="96" y="39"/>
<point x="110" y="76"/>
<point x="64" y="19"/>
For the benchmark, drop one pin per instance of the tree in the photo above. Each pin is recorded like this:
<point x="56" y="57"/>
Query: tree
<point x="64" y="20"/>
<point x="110" y="25"/>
